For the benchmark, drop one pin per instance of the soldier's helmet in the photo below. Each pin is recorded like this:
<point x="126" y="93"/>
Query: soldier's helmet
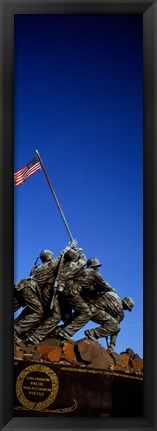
<point x="128" y="302"/>
<point x="71" y="255"/>
<point x="93" y="263"/>
<point x="46" y="255"/>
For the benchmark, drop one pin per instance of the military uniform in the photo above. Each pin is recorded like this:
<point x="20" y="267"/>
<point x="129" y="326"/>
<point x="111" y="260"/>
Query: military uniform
<point x="86" y="281"/>
<point x="34" y="293"/>
<point x="107" y="310"/>
<point x="62" y="305"/>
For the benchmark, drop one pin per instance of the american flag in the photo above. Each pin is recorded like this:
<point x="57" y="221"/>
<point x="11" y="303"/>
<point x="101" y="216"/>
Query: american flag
<point x="24" y="173"/>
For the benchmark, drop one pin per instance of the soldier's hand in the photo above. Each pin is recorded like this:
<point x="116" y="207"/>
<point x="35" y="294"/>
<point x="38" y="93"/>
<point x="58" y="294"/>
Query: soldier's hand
<point x="64" y="251"/>
<point x="73" y="244"/>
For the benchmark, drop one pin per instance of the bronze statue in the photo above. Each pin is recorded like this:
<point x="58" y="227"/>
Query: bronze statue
<point x="108" y="311"/>
<point x="35" y="293"/>
<point x="73" y="260"/>
<point x="69" y="289"/>
<point x="87" y="280"/>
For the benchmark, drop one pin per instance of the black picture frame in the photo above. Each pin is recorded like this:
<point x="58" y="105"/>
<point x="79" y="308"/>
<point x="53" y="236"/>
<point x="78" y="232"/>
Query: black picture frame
<point x="148" y="8"/>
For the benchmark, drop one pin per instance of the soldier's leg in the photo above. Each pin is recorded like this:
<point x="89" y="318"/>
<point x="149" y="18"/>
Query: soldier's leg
<point x="112" y="343"/>
<point x="82" y="313"/>
<point x="17" y="305"/>
<point x="66" y="309"/>
<point x="30" y="319"/>
<point x="47" y="325"/>
<point x="109" y="325"/>
<point x="23" y="313"/>
<point x="66" y="314"/>
<point x="18" y="301"/>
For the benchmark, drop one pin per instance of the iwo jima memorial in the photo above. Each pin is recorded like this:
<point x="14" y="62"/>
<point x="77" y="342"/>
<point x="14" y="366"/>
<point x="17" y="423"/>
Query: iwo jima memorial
<point x="54" y="373"/>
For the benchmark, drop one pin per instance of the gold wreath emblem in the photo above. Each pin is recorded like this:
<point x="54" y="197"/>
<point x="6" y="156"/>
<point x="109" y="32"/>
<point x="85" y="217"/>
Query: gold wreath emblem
<point x="34" y="405"/>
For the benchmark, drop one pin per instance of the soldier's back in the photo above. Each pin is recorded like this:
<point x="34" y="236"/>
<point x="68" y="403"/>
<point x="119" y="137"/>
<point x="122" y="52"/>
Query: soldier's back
<point x="45" y="272"/>
<point x="109" y="302"/>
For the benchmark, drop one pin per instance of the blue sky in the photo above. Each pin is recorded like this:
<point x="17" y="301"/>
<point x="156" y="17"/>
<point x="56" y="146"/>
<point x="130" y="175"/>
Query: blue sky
<point x="79" y="101"/>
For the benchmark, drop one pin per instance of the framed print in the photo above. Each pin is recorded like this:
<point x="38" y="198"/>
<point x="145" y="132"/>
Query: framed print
<point x="78" y="105"/>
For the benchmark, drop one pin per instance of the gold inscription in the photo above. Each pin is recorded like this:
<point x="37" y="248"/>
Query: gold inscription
<point x="41" y="379"/>
<point x="34" y="386"/>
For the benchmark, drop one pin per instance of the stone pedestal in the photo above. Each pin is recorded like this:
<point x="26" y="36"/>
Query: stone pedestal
<point x="45" y="389"/>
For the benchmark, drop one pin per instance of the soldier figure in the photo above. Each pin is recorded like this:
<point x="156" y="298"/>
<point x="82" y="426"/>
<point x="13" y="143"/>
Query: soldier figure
<point x="63" y="289"/>
<point x="73" y="260"/>
<point x="108" y="311"/>
<point x="34" y="293"/>
<point x="86" y="280"/>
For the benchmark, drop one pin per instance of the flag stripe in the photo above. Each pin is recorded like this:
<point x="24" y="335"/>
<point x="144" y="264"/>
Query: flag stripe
<point x="24" y="173"/>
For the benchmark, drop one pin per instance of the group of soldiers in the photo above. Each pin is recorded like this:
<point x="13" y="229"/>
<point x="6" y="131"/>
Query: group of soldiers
<point x="68" y="290"/>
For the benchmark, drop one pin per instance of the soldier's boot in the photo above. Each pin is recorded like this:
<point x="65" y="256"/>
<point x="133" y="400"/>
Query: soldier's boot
<point x="29" y="341"/>
<point x="56" y="331"/>
<point x="33" y="340"/>
<point x="111" y="347"/>
<point x="17" y="339"/>
<point x="91" y="334"/>
<point x="63" y="335"/>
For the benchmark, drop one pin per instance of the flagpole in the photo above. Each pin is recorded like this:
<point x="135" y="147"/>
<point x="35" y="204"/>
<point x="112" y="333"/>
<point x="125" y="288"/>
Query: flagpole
<point x="54" y="194"/>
